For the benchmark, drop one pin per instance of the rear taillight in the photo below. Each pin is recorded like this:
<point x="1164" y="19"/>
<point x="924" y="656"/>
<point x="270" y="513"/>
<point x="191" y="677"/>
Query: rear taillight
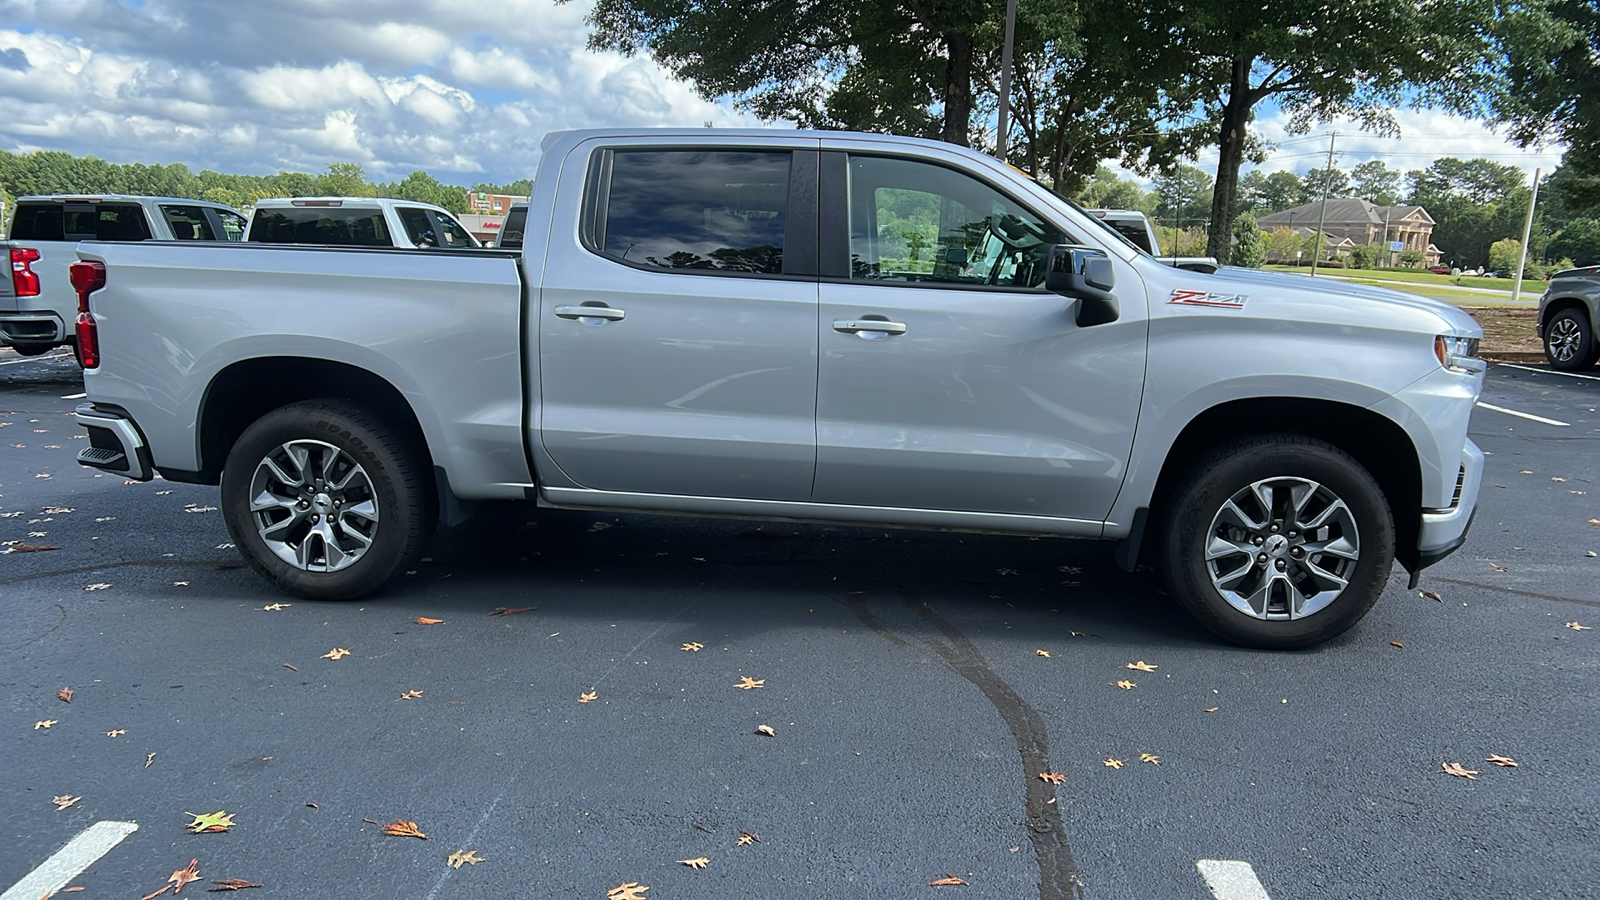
<point x="86" y="278"/>
<point x="24" y="281"/>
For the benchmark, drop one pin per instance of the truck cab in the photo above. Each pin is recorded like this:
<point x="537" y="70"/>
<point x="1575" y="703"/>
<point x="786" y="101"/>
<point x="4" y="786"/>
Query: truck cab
<point x="358" y="222"/>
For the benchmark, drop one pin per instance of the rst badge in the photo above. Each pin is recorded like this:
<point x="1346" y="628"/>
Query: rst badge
<point x="1206" y="298"/>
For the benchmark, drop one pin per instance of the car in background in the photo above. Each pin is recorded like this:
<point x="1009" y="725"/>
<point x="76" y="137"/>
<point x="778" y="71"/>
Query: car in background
<point x="38" y="305"/>
<point x="1441" y="270"/>
<point x="1135" y="227"/>
<point x="1568" y="311"/>
<point x="357" y="222"/>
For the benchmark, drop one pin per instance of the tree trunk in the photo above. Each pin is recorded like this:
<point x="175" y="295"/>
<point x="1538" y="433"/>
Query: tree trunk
<point x="1230" y="144"/>
<point x="957" y="88"/>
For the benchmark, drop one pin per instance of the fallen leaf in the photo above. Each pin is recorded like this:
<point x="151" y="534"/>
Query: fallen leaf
<point x="1212" y="708"/>
<point x="746" y="683"/>
<point x="1111" y="762"/>
<point x="1042" y="652"/>
<point x="424" y="620"/>
<point x="98" y="586"/>
<point x="693" y="647"/>
<point x="64" y="695"/>
<point x="336" y="653"/>
<point x="1524" y="471"/>
<point x="463" y="857"/>
<point x="766" y="730"/>
<point x="117" y="732"/>
<point x="1397" y="645"/>
<point x="1504" y="761"/>
<point x="274" y="607"/>
<point x="1142" y="666"/>
<point x="29" y="548"/>
<point x="699" y="862"/>
<point x="72" y="890"/>
<point x="149" y="758"/>
<point x="182" y="584"/>
<point x="1126" y="685"/>
<point x="510" y="610"/>
<point x="1459" y="771"/>
<point x="631" y="890"/>
<point x="1573" y="625"/>
<point x="410" y="695"/>
<point x="402" y="828"/>
<point x="746" y="838"/>
<point x="1594" y="523"/>
<point x="230" y="884"/>
<point x="179" y="878"/>
<point x="1498" y="568"/>
<point x="290" y="668"/>
<point x="1150" y="758"/>
<point x="1431" y="595"/>
<point x="44" y="724"/>
<point x="588" y="696"/>
<point x="701" y="827"/>
<point x="946" y="881"/>
<point x="1082" y="634"/>
<point x="1005" y="571"/>
<point x="1558" y="478"/>
<point x="1052" y="777"/>
<point x="64" y="801"/>
<point x="210" y="823"/>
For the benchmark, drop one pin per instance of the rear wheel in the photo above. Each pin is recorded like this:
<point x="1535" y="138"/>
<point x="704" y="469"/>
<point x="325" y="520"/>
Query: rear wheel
<point x="1569" y="342"/>
<point x="32" y="349"/>
<point x="1279" y="542"/>
<point x="326" y="500"/>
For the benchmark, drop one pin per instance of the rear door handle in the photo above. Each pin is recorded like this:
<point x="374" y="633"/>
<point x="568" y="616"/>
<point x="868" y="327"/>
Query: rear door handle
<point x="870" y="329"/>
<point x="591" y="312"/>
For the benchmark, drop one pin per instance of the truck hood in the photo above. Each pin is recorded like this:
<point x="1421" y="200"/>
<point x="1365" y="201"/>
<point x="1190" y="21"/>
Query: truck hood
<point x="1301" y="287"/>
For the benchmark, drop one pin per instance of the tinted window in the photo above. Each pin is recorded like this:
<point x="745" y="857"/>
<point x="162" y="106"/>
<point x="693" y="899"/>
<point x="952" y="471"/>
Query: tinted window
<point x="80" y="222"/>
<point x="431" y="228"/>
<point x="918" y="222"/>
<point x="511" y="230"/>
<point x="419" y="227"/>
<point x="321" y="225"/>
<point x="188" y="223"/>
<point x="37" y="222"/>
<point x="686" y="209"/>
<point x="232" y="225"/>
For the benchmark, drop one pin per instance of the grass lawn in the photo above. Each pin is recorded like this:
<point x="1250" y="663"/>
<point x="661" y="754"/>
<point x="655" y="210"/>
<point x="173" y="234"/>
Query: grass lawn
<point x="1530" y="286"/>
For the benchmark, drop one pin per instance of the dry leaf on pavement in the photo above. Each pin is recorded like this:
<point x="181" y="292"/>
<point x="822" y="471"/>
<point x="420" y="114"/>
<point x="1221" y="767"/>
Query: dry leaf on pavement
<point x="1126" y="685"/>
<point x="64" y="801"/>
<point x="1504" y="761"/>
<point x="462" y="857"/>
<point x="30" y="548"/>
<point x="274" y="607"/>
<point x="509" y="610"/>
<point x="410" y="695"/>
<point x="1150" y="758"/>
<point x="947" y="881"/>
<point x="1111" y="762"/>
<point x="64" y="695"/>
<point x="1142" y="666"/>
<point x="230" y="884"/>
<point x="588" y="696"/>
<point x="1052" y="777"/>
<point x="336" y="653"/>
<point x="149" y="758"/>
<point x="693" y="647"/>
<point x="1459" y="771"/>
<point x="178" y="879"/>
<point x="117" y="732"/>
<point x="699" y="862"/>
<point x="402" y="828"/>
<point x="1431" y="595"/>
<point x="1576" y="627"/>
<point x="1397" y="645"/>
<point x="424" y="620"/>
<point x="45" y="723"/>
<point x="210" y="823"/>
<point x="766" y="730"/>
<point x="746" y="683"/>
<point x="1042" y="652"/>
<point x="746" y="838"/>
<point x="631" y="890"/>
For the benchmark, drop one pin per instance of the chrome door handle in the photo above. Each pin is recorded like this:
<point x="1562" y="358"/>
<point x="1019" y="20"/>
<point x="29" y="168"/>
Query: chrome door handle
<point x="871" y="329"/>
<point x="591" y="312"/>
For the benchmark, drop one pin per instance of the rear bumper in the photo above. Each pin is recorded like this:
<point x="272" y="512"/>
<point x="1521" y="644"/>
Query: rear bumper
<point x="32" y="328"/>
<point x="115" y="443"/>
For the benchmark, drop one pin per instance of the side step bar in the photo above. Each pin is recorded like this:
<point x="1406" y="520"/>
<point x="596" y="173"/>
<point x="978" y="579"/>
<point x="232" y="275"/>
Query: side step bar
<point x="115" y="444"/>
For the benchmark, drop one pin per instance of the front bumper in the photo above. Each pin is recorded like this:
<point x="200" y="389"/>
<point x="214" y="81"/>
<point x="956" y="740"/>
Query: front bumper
<point x="115" y="443"/>
<point x="1443" y="531"/>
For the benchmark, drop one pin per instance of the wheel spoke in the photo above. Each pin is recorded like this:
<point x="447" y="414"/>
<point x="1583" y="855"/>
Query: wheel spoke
<point x="1336" y="508"/>
<point x="1299" y="495"/>
<point x="1232" y="510"/>
<point x="1221" y="546"/>
<point x="1326" y="580"/>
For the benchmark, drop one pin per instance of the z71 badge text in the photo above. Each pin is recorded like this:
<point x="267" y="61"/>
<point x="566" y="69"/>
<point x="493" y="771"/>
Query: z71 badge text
<point x="1206" y="298"/>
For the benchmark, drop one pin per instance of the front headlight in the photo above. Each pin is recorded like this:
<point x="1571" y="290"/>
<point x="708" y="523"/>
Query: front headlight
<point x="1457" y="353"/>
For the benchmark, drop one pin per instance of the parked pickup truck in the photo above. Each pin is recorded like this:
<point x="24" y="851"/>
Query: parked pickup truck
<point x="358" y="222"/>
<point x="814" y="326"/>
<point x="37" y="305"/>
<point x="1135" y="226"/>
<point x="1568" y="313"/>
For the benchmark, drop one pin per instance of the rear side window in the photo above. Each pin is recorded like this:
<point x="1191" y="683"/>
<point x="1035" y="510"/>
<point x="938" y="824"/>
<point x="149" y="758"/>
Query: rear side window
<point x="431" y="228"/>
<point x="188" y="223"/>
<point x="232" y="225"/>
<point x="338" y="226"/>
<point x="511" y="231"/>
<point x="695" y="210"/>
<point x="80" y="222"/>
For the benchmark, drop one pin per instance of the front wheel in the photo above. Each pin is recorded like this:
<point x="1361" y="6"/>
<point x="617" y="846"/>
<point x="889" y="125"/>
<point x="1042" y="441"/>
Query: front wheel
<point x="326" y="500"/>
<point x="1569" y="342"/>
<point x="1278" y="542"/>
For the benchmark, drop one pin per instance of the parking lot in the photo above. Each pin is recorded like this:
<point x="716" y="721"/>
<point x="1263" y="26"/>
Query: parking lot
<point x="560" y="694"/>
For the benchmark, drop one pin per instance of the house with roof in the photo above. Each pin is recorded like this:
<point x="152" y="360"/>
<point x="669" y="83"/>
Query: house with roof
<point x="1350" y="222"/>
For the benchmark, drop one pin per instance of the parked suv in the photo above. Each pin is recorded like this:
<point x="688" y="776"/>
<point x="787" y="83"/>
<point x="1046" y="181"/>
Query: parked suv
<point x="1568" y="312"/>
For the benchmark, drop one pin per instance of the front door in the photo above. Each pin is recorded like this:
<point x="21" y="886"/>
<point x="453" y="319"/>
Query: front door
<point x="949" y="378"/>
<point x="677" y="332"/>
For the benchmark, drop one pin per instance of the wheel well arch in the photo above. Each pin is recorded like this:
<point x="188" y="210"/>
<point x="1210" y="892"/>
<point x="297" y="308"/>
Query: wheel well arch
<point x="1379" y="444"/>
<point x="246" y="390"/>
<point x="1561" y="304"/>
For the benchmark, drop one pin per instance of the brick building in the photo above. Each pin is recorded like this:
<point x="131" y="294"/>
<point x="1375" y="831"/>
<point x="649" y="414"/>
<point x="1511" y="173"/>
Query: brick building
<point x="1360" y="222"/>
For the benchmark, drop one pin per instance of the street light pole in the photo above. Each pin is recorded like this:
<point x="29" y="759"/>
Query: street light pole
<point x="1327" y="183"/>
<point x="1527" y="232"/>
<point x="1005" y="81"/>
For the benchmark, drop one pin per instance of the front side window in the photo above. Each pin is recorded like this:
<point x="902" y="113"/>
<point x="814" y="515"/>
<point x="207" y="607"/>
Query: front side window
<point x="419" y="226"/>
<point x="188" y="223"/>
<point x="918" y="222"/>
<point x="232" y="225"/>
<point x="720" y="211"/>
<point x="452" y="234"/>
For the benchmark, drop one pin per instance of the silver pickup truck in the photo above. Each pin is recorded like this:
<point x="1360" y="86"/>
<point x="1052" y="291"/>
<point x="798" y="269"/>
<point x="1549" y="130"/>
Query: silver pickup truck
<point x="813" y="326"/>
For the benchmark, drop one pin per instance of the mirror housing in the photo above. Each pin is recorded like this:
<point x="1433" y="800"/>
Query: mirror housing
<point x="1084" y="274"/>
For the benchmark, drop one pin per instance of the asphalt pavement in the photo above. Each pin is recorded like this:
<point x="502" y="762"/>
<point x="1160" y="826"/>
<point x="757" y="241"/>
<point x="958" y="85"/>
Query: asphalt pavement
<point x="917" y="687"/>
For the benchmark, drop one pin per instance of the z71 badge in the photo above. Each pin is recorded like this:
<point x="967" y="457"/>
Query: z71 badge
<point x="1206" y="298"/>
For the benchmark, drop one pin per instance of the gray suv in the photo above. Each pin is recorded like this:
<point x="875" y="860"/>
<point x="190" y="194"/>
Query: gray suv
<point x="1568" y="312"/>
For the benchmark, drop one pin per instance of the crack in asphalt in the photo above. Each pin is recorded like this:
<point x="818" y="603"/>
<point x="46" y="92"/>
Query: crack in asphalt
<point x="1058" y="872"/>
<point x="1520" y="593"/>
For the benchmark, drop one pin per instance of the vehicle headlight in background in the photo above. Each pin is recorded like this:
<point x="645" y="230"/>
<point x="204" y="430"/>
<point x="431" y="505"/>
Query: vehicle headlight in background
<point x="1458" y="353"/>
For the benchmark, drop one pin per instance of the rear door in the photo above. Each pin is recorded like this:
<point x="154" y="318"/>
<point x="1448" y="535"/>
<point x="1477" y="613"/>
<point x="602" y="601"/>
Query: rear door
<point x="677" y="324"/>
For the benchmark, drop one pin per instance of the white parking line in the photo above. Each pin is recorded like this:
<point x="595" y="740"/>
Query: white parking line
<point x="74" y="396"/>
<point x="1549" y="371"/>
<point x="27" y="359"/>
<point x="80" y="853"/>
<point x="1523" y="415"/>
<point x="1228" y="879"/>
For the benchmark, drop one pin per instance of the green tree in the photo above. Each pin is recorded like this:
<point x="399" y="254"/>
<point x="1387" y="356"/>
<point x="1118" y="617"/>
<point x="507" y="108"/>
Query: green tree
<point x="1283" y="243"/>
<point x="1504" y="255"/>
<point x="1551" y="82"/>
<point x="1579" y="241"/>
<point x="1334" y="181"/>
<point x="1250" y="244"/>
<point x="345" y="180"/>
<point x="1376" y="183"/>
<point x="1183" y="194"/>
<point x="1364" y="256"/>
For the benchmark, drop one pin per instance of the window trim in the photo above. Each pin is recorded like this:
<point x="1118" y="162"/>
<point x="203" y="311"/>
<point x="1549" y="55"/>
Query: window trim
<point x="800" y="216"/>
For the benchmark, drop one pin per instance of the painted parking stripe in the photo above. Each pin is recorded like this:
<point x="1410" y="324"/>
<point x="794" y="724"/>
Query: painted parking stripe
<point x="80" y="853"/>
<point x="74" y="396"/>
<point x="28" y="359"/>
<point x="1523" y="415"/>
<point x="1230" y="879"/>
<point x="1549" y="371"/>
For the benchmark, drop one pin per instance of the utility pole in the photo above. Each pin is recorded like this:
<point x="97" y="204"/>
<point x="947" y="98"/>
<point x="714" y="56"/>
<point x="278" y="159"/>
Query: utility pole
<point x="1527" y="232"/>
<point x="1327" y="182"/>
<point x="1005" y="81"/>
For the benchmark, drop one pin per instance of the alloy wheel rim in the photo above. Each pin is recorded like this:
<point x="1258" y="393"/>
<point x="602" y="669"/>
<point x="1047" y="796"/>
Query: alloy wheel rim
<point x="1564" y="339"/>
<point x="1282" y="548"/>
<point x="314" y="506"/>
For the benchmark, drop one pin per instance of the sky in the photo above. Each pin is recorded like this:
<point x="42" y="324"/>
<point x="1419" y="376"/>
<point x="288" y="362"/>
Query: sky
<point x="462" y="89"/>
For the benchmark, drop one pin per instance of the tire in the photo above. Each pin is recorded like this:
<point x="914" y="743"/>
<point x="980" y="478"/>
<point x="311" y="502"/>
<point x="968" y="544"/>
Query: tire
<point x="326" y="500"/>
<point x="1252" y="494"/>
<point x="1569" y="342"/>
<point x="32" y="349"/>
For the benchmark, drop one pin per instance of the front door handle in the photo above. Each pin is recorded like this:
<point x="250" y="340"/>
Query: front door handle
<point x="597" y="314"/>
<point x="869" y="329"/>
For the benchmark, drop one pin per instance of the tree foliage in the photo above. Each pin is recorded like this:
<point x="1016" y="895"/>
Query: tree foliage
<point x="1551" y="83"/>
<point x="1473" y="202"/>
<point x="1249" y="244"/>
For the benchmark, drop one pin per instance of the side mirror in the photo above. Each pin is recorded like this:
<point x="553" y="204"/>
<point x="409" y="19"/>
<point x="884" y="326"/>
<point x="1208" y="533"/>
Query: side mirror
<point x="1084" y="273"/>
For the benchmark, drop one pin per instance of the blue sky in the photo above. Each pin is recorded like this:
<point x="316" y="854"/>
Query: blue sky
<point x="464" y="90"/>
